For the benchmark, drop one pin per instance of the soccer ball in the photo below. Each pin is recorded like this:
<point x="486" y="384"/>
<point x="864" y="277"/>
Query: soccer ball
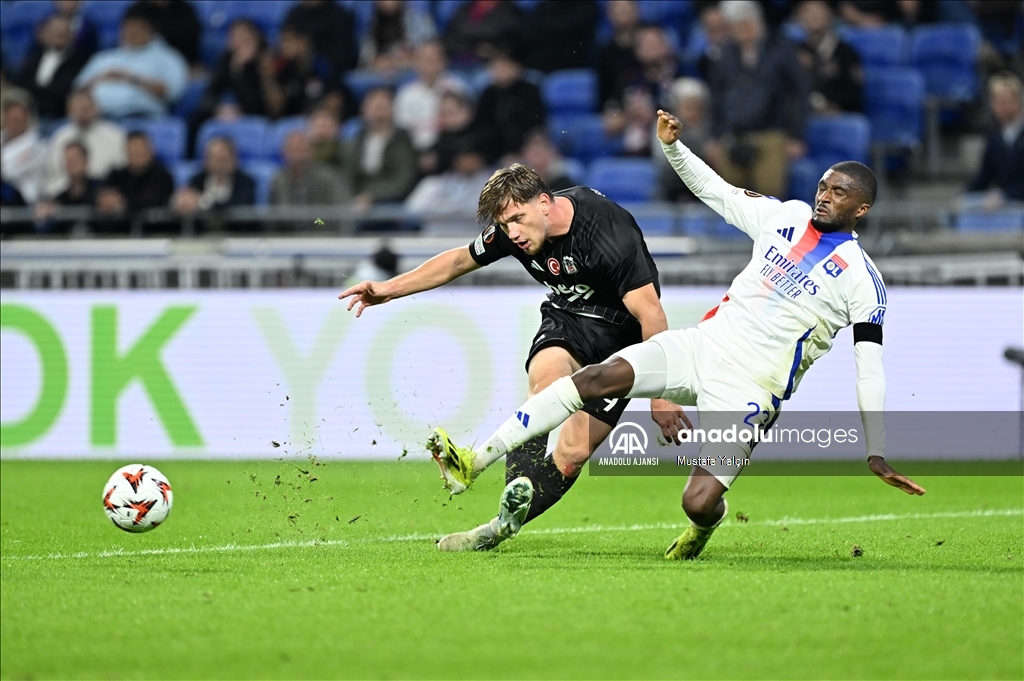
<point x="137" y="498"/>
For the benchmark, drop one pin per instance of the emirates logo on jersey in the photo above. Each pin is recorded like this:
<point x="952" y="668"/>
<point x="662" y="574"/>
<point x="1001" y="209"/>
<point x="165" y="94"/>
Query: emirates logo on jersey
<point x="570" y="265"/>
<point x="554" y="267"/>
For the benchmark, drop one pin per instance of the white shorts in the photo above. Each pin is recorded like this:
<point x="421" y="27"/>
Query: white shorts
<point x="685" y="367"/>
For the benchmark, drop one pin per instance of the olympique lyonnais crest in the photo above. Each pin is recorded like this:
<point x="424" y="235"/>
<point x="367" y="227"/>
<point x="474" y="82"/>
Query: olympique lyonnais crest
<point x="835" y="265"/>
<point x="554" y="267"/>
<point x="570" y="265"/>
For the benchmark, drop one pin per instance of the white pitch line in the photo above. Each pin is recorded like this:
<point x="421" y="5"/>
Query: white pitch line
<point x="226" y="548"/>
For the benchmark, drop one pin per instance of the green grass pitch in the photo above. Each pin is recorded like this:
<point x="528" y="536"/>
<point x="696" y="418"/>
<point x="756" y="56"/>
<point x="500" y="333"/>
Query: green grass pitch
<point x="263" y="572"/>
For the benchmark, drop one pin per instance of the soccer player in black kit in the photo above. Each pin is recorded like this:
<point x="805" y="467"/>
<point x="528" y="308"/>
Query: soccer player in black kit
<point x="604" y="296"/>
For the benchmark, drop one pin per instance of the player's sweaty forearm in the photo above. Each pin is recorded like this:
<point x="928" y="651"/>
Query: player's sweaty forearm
<point x="435" y="272"/>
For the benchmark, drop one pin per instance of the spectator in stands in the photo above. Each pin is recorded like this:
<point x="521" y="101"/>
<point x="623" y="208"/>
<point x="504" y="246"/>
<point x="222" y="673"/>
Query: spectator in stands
<point x="691" y="103"/>
<point x="333" y="30"/>
<point x="323" y="136"/>
<point x="220" y="184"/>
<point x="381" y="266"/>
<point x="418" y="102"/>
<point x="759" y="95"/>
<point x="833" y="65"/>
<point x="539" y="153"/>
<point x="716" y="32"/>
<point x="244" y="78"/>
<point x="81" y="190"/>
<point x="104" y="141"/>
<point x="509" y="108"/>
<point x="455" y="118"/>
<point x="479" y="25"/>
<point x="302" y="79"/>
<point x="635" y="123"/>
<point x="143" y="183"/>
<point x="616" y="59"/>
<point x="1002" y="167"/>
<point x="51" y="67"/>
<point x="447" y="202"/>
<point x="877" y="13"/>
<point x="21" y="150"/>
<point x="176" y="22"/>
<point x="655" y="70"/>
<point x="380" y="162"/>
<point x="141" y="77"/>
<point x="305" y="182"/>
<point x="82" y="29"/>
<point x="561" y="35"/>
<point x="396" y="30"/>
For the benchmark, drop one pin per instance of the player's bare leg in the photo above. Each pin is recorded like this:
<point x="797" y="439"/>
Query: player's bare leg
<point x="705" y="506"/>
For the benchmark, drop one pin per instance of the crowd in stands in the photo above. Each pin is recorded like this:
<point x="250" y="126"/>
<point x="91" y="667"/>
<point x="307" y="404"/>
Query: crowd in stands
<point x="200" y="106"/>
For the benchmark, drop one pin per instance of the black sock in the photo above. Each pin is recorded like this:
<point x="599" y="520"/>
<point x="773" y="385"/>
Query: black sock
<point x="531" y="461"/>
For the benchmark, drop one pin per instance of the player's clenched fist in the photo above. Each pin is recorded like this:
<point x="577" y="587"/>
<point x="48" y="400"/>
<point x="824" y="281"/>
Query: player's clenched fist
<point x="365" y="294"/>
<point x="669" y="127"/>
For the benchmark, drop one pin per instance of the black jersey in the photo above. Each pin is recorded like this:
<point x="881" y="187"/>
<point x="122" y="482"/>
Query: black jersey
<point x="601" y="258"/>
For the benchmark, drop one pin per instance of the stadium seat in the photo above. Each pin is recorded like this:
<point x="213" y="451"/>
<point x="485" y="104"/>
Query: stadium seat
<point x="247" y="134"/>
<point x="894" y="102"/>
<point x="574" y="170"/>
<point x="704" y="222"/>
<point x="361" y="81"/>
<point x="624" y="179"/>
<point x="189" y="101"/>
<point x="886" y="46"/>
<point x="263" y="173"/>
<point x="106" y="16"/>
<point x="168" y="136"/>
<point x="1008" y="220"/>
<point x="947" y="56"/>
<point x="15" y="47"/>
<point x="276" y="134"/>
<point x="804" y="174"/>
<point x="351" y="128"/>
<point x="831" y="139"/>
<point x="653" y="218"/>
<point x="582" y="137"/>
<point x="23" y="17"/>
<point x="570" y="90"/>
<point x="444" y="10"/>
<point x="184" y="171"/>
<point x="675" y="14"/>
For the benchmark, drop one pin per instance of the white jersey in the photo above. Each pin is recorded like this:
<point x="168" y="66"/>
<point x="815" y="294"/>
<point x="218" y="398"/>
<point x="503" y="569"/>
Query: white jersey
<point x="800" y="288"/>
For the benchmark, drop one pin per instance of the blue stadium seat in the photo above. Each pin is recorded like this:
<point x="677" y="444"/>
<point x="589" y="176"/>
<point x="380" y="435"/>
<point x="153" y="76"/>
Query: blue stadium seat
<point x="570" y="90"/>
<point x="804" y="174"/>
<point x="1009" y="220"/>
<point x="707" y="223"/>
<point x="351" y="128"/>
<point x="653" y="218"/>
<point x="624" y="179"/>
<point x="894" y="103"/>
<point x="667" y="13"/>
<point x="574" y="170"/>
<point x="582" y="137"/>
<point x="23" y="17"/>
<point x="106" y="16"/>
<point x="886" y="46"/>
<point x="276" y="133"/>
<point x="184" y="171"/>
<point x="947" y="56"/>
<point x="361" y="81"/>
<point x="444" y="10"/>
<point x="831" y="139"/>
<point x="167" y="135"/>
<point x="247" y="134"/>
<point x="189" y="101"/>
<point x="15" y="47"/>
<point x="263" y="173"/>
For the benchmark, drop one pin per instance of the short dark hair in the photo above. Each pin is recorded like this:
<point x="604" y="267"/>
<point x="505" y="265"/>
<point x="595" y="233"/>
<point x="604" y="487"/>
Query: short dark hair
<point x="77" y="144"/>
<point x="863" y="179"/>
<point x="139" y="135"/>
<point x="516" y="183"/>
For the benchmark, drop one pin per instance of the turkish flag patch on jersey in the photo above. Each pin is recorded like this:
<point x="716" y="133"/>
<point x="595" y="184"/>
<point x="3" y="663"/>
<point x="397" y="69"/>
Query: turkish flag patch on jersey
<point x="554" y="267"/>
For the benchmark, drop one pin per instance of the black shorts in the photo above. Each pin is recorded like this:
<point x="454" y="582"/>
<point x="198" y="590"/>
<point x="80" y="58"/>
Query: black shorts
<point x="591" y="341"/>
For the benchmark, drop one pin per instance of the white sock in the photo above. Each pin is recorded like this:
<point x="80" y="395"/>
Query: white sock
<point x="553" y="439"/>
<point x="540" y="414"/>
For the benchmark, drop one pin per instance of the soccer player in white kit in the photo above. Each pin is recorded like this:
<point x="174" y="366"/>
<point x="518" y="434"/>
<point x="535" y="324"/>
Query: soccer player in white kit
<point x="808" y="278"/>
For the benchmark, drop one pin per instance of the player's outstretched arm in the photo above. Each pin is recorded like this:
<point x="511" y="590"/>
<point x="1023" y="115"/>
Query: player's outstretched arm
<point x="435" y="272"/>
